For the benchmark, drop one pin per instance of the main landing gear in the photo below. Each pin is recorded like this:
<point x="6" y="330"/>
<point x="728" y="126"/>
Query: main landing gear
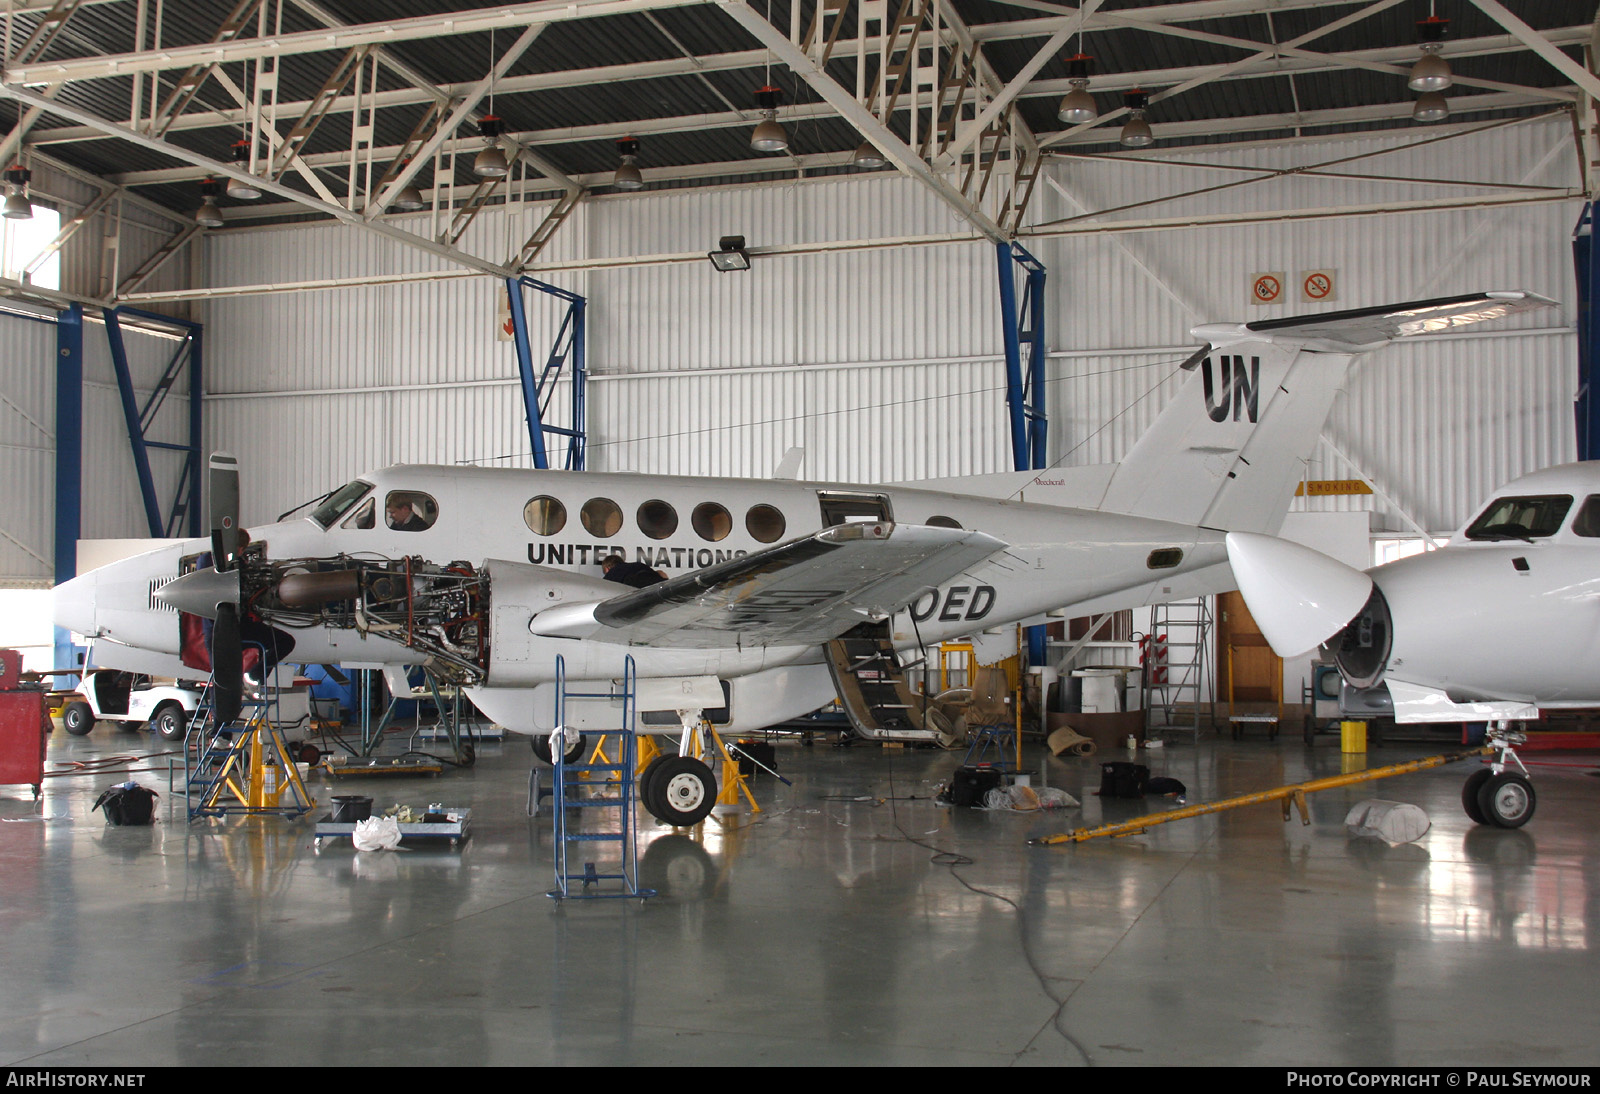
<point x="1497" y="795"/>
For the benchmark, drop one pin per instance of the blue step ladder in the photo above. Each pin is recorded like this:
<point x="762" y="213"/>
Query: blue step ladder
<point x="596" y="791"/>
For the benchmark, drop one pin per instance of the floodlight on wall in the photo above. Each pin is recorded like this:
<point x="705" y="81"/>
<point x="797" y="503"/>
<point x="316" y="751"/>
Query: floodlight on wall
<point x="1136" y="131"/>
<point x="491" y="162"/>
<point x="18" y="207"/>
<point x="628" y="176"/>
<point x="1431" y="72"/>
<point x="208" y="215"/>
<point x="1078" y="107"/>
<point x="867" y="157"/>
<point x="1431" y="107"/>
<point x="769" y="135"/>
<point x="730" y="254"/>
<point x="240" y="188"/>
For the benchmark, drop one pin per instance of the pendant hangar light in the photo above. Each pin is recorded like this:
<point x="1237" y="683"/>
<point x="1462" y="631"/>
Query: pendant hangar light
<point x="491" y="163"/>
<point x="1136" y="131"/>
<point x="1431" y="74"/>
<point x="628" y="176"/>
<point x="238" y="188"/>
<point x="17" y="206"/>
<point x="409" y="199"/>
<point x="208" y="215"/>
<point x="867" y="157"/>
<point x="769" y="136"/>
<point x="1078" y="108"/>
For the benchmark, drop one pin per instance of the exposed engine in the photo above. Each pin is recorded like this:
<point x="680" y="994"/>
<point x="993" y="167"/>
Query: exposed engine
<point x="1361" y="649"/>
<point x="437" y="610"/>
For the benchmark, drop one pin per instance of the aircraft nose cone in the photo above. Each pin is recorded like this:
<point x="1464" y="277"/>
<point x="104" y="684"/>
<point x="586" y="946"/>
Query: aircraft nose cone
<point x="73" y="604"/>
<point x="200" y="592"/>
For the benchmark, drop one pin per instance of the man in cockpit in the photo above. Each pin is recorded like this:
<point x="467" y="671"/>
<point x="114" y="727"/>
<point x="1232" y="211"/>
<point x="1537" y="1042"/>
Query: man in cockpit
<point x="402" y="515"/>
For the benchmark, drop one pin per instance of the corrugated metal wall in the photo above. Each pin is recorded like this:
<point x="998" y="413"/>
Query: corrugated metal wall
<point x="886" y="364"/>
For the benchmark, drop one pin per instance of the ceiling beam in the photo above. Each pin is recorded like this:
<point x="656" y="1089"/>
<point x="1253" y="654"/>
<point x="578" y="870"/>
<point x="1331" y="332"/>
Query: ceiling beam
<point x="271" y="186"/>
<point x="413" y="29"/>
<point x="1535" y="41"/>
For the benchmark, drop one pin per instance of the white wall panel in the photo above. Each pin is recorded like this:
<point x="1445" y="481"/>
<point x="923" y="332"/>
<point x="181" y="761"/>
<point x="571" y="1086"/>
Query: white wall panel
<point x="27" y="451"/>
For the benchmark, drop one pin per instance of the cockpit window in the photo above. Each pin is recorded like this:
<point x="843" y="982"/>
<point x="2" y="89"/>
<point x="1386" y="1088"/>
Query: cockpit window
<point x="409" y="511"/>
<point x="1587" y="522"/>
<point x="1525" y="518"/>
<point x="363" y="517"/>
<point x="339" y="502"/>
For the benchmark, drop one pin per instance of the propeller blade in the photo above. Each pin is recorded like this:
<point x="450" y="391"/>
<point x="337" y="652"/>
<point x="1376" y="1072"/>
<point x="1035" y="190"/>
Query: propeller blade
<point x="223" y="508"/>
<point x="336" y="675"/>
<point x="227" y="664"/>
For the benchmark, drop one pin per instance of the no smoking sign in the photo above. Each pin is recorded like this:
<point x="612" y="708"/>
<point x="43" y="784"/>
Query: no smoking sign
<point x="1318" y="286"/>
<point x="1266" y="288"/>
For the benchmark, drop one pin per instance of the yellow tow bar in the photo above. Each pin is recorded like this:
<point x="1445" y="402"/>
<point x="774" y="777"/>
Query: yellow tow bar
<point x="1285" y="794"/>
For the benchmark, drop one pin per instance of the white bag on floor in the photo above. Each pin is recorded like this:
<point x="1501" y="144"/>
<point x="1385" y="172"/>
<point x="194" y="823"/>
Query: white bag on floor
<point x="377" y="834"/>
<point x="1396" y="822"/>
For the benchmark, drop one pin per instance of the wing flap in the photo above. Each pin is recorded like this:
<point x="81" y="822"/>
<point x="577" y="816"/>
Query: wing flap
<point x="799" y="593"/>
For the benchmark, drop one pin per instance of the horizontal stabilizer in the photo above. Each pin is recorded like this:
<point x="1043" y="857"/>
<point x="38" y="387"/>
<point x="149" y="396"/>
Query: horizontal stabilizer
<point x="1368" y="328"/>
<point x="1299" y="597"/>
<point x="801" y="593"/>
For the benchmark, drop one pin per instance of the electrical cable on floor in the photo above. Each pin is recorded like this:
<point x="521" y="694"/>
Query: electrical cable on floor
<point x="953" y="859"/>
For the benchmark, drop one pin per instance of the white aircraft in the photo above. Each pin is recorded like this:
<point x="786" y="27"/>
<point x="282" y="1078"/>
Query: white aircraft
<point x="766" y="575"/>
<point x="1498" y="624"/>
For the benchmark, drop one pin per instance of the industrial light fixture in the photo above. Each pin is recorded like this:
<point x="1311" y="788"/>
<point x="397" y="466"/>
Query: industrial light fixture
<point x="18" y="207"/>
<point x="240" y="188"/>
<point x="1136" y="131"/>
<point x="1431" y="107"/>
<point x="730" y="254"/>
<point x="491" y="162"/>
<point x="867" y="157"/>
<point x="409" y="199"/>
<point x="208" y="215"/>
<point x="1431" y="72"/>
<point x="1078" y="108"/>
<point x="628" y="176"/>
<point x="769" y="135"/>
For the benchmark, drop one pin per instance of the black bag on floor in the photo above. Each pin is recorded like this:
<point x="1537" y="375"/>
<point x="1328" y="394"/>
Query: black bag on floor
<point x="969" y="784"/>
<point x="1121" y="779"/>
<point x="127" y="803"/>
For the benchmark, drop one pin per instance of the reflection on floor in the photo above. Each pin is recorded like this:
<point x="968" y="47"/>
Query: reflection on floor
<point x="853" y="921"/>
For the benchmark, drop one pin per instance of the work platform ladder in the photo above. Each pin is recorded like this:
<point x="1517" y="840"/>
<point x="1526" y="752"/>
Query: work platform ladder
<point x="1176" y="673"/>
<point x="600" y="789"/>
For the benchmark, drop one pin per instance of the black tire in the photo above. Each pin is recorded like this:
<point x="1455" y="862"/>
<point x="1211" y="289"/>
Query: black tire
<point x="169" y="722"/>
<point x="77" y="719"/>
<point x="541" y="748"/>
<point x="1507" y="799"/>
<point x="682" y="792"/>
<point x="1469" y="795"/>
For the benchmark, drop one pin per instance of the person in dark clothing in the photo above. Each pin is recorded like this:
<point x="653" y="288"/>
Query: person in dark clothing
<point x="402" y="515"/>
<point x="637" y="574"/>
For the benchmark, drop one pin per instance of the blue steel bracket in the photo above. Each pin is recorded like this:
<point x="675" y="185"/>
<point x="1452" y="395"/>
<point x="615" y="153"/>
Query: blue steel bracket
<point x="184" y="509"/>
<point x="568" y="350"/>
<point x="1023" y="325"/>
<point x="1586" y="267"/>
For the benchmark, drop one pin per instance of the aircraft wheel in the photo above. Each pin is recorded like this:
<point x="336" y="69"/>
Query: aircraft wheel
<point x="647" y="779"/>
<point x="77" y="719"/>
<point x="682" y="792"/>
<point x="541" y="748"/>
<point x="1507" y="799"/>
<point x="1469" y="795"/>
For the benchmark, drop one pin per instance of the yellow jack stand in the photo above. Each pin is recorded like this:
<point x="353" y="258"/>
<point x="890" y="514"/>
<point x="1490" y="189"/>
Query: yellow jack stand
<point x="255" y="771"/>
<point x="733" y="780"/>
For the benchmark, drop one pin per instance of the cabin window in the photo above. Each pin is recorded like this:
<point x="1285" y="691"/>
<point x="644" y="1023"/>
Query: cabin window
<point x="409" y="511"/>
<point x="339" y="502"/>
<point x="764" y="523"/>
<point x="1527" y="517"/>
<point x="943" y="522"/>
<point x="657" y="519"/>
<point x="601" y="517"/>
<point x="1164" y="558"/>
<point x="544" y="515"/>
<point x="711" y="521"/>
<point x="1587" y="522"/>
<point x="363" y="517"/>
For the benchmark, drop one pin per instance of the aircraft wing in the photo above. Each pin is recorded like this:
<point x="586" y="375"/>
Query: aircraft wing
<point x="801" y="593"/>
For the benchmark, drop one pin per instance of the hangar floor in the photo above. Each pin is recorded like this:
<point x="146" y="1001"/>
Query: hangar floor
<point x="854" y="921"/>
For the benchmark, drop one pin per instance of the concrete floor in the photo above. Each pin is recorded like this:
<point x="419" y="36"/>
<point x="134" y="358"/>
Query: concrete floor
<point x="854" y="921"/>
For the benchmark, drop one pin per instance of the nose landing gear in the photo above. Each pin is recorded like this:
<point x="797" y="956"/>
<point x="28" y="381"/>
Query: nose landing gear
<point x="1497" y="795"/>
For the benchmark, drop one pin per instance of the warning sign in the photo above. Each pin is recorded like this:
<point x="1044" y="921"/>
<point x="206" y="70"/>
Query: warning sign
<point x="1325" y="487"/>
<point x="504" y="330"/>
<point x="1266" y="288"/>
<point x="1317" y="286"/>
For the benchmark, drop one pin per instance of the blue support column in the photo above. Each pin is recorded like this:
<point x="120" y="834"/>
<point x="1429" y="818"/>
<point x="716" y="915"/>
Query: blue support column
<point x="1023" y="325"/>
<point x="1586" y="267"/>
<point x="69" y="465"/>
<point x="184" y="515"/>
<point x="537" y="389"/>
